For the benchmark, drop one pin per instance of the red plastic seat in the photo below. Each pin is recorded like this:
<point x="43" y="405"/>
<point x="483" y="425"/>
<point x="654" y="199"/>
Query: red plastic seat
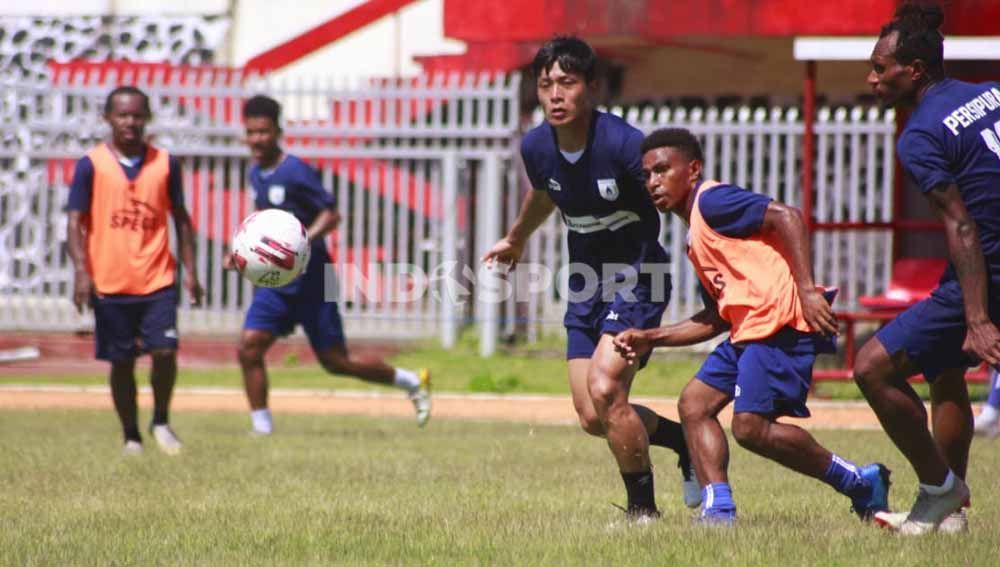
<point x="913" y="279"/>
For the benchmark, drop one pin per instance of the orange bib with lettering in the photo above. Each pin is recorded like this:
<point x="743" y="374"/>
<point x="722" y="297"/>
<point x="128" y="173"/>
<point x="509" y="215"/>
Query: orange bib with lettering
<point x="128" y="243"/>
<point x="750" y="278"/>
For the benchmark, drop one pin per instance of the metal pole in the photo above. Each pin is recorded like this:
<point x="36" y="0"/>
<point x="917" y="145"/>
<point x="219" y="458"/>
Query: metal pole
<point x="449" y="249"/>
<point x="488" y="211"/>
<point x="808" y="142"/>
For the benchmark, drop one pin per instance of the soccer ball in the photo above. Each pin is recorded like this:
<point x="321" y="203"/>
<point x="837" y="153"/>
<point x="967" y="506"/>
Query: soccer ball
<point x="270" y="248"/>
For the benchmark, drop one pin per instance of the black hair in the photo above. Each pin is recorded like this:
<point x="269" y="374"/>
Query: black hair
<point x="262" y="106"/>
<point x="572" y="53"/>
<point x="918" y="35"/>
<point x="126" y="90"/>
<point x="677" y="138"/>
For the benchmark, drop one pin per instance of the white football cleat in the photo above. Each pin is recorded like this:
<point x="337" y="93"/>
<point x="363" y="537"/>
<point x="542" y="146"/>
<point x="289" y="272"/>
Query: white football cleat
<point x="986" y="427"/>
<point x="690" y="487"/>
<point x="421" y="398"/>
<point x="929" y="511"/>
<point x="132" y="448"/>
<point x="166" y="439"/>
<point x="956" y="523"/>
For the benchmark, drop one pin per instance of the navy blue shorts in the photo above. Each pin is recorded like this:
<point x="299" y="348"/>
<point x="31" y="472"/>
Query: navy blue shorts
<point x="613" y="318"/>
<point x="768" y="377"/>
<point x="126" y="326"/>
<point x="931" y="332"/>
<point x="278" y="313"/>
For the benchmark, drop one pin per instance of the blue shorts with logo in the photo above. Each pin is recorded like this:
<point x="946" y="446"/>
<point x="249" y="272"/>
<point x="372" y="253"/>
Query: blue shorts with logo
<point x="584" y="332"/>
<point x="126" y="326"/>
<point x="770" y="376"/>
<point x="278" y="312"/>
<point x="931" y="332"/>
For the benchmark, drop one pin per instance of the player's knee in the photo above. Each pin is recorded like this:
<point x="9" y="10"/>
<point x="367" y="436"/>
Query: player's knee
<point x="866" y="365"/>
<point x="603" y="390"/>
<point x="250" y="352"/>
<point x="590" y="422"/>
<point x="335" y="364"/>
<point x="163" y="356"/>
<point x="689" y="408"/>
<point x="749" y="430"/>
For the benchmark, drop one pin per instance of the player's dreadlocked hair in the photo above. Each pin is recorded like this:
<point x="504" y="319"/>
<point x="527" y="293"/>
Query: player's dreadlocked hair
<point x="572" y="53"/>
<point x="919" y="37"/>
<point x="263" y="107"/>
<point x="677" y="138"/>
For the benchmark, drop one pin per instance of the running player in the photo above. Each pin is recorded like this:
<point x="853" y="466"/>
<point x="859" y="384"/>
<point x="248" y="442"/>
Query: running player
<point x="283" y="181"/>
<point x="119" y="199"/>
<point x="951" y="149"/>
<point x="752" y="255"/>
<point x="587" y="163"/>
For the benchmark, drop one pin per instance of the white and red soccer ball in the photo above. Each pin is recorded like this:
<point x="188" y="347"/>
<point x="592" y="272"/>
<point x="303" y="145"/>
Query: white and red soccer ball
<point x="270" y="248"/>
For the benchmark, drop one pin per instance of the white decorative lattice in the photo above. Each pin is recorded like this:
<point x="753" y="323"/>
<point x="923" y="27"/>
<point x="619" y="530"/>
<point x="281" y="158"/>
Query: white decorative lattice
<point x="27" y="43"/>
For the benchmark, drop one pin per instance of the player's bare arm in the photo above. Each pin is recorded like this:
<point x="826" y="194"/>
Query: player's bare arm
<point x="982" y="338"/>
<point x="76" y="238"/>
<point x="633" y="344"/>
<point x="326" y="220"/>
<point x="791" y="227"/>
<point x="535" y="209"/>
<point x="185" y="236"/>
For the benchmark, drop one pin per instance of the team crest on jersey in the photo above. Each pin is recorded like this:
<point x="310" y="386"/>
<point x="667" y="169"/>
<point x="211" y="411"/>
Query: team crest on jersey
<point x="276" y="194"/>
<point x="608" y="188"/>
<point x="554" y="185"/>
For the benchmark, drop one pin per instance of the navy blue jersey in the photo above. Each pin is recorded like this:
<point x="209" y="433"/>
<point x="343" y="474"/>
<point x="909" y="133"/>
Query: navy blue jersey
<point x="953" y="137"/>
<point x="294" y="186"/>
<point x="609" y="216"/>
<point x="733" y="211"/>
<point x="81" y="188"/>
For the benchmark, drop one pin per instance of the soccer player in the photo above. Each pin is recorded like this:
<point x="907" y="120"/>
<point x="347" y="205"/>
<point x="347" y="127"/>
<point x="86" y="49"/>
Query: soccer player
<point x="752" y="256"/>
<point x="283" y="181"/>
<point x="587" y="163"/>
<point x="119" y="199"/>
<point x="951" y="149"/>
<point x="987" y="422"/>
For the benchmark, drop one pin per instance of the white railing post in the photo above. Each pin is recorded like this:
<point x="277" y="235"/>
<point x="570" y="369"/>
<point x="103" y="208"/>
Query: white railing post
<point x="488" y="209"/>
<point x="449" y="250"/>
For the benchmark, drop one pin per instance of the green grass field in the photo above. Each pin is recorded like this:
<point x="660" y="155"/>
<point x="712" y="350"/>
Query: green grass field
<point x="538" y="369"/>
<point x="361" y="491"/>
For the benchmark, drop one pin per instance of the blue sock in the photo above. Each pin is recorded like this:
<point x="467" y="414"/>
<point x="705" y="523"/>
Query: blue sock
<point x="843" y="476"/>
<point x="717" y="499"/>
<point x="994" y="397"/>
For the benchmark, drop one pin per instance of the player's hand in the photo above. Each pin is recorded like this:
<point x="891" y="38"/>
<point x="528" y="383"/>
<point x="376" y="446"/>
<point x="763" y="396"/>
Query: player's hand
<point x="633" y="344"/>
<point x="983" y="341"/>
<point x="818" y="312"/>
<point x="504" y="251"/>
<point x="227" y="261"/>
<point x="193" y="287"/>
<point x="83" y="288"/>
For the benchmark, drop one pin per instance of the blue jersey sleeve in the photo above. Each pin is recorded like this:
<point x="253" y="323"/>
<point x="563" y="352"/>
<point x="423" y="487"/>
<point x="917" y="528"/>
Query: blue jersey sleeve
<point x="529" y="165"/>
<point x="732" y="211"/>
<point x="923" y="158"/>
<point x="175" y="185"/>
<point x="632" y="158"/>
<point x="313" y="192"/>
<point x="82" y="186"/>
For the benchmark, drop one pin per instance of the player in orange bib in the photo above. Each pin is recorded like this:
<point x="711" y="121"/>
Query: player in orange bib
<point x="752" y="256"/>
<point x="120" y="196"/>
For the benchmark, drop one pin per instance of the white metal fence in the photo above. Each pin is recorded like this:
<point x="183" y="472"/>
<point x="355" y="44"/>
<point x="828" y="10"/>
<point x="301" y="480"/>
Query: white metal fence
<point x="402" y="157"/>
<point x="426" y="174"/>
